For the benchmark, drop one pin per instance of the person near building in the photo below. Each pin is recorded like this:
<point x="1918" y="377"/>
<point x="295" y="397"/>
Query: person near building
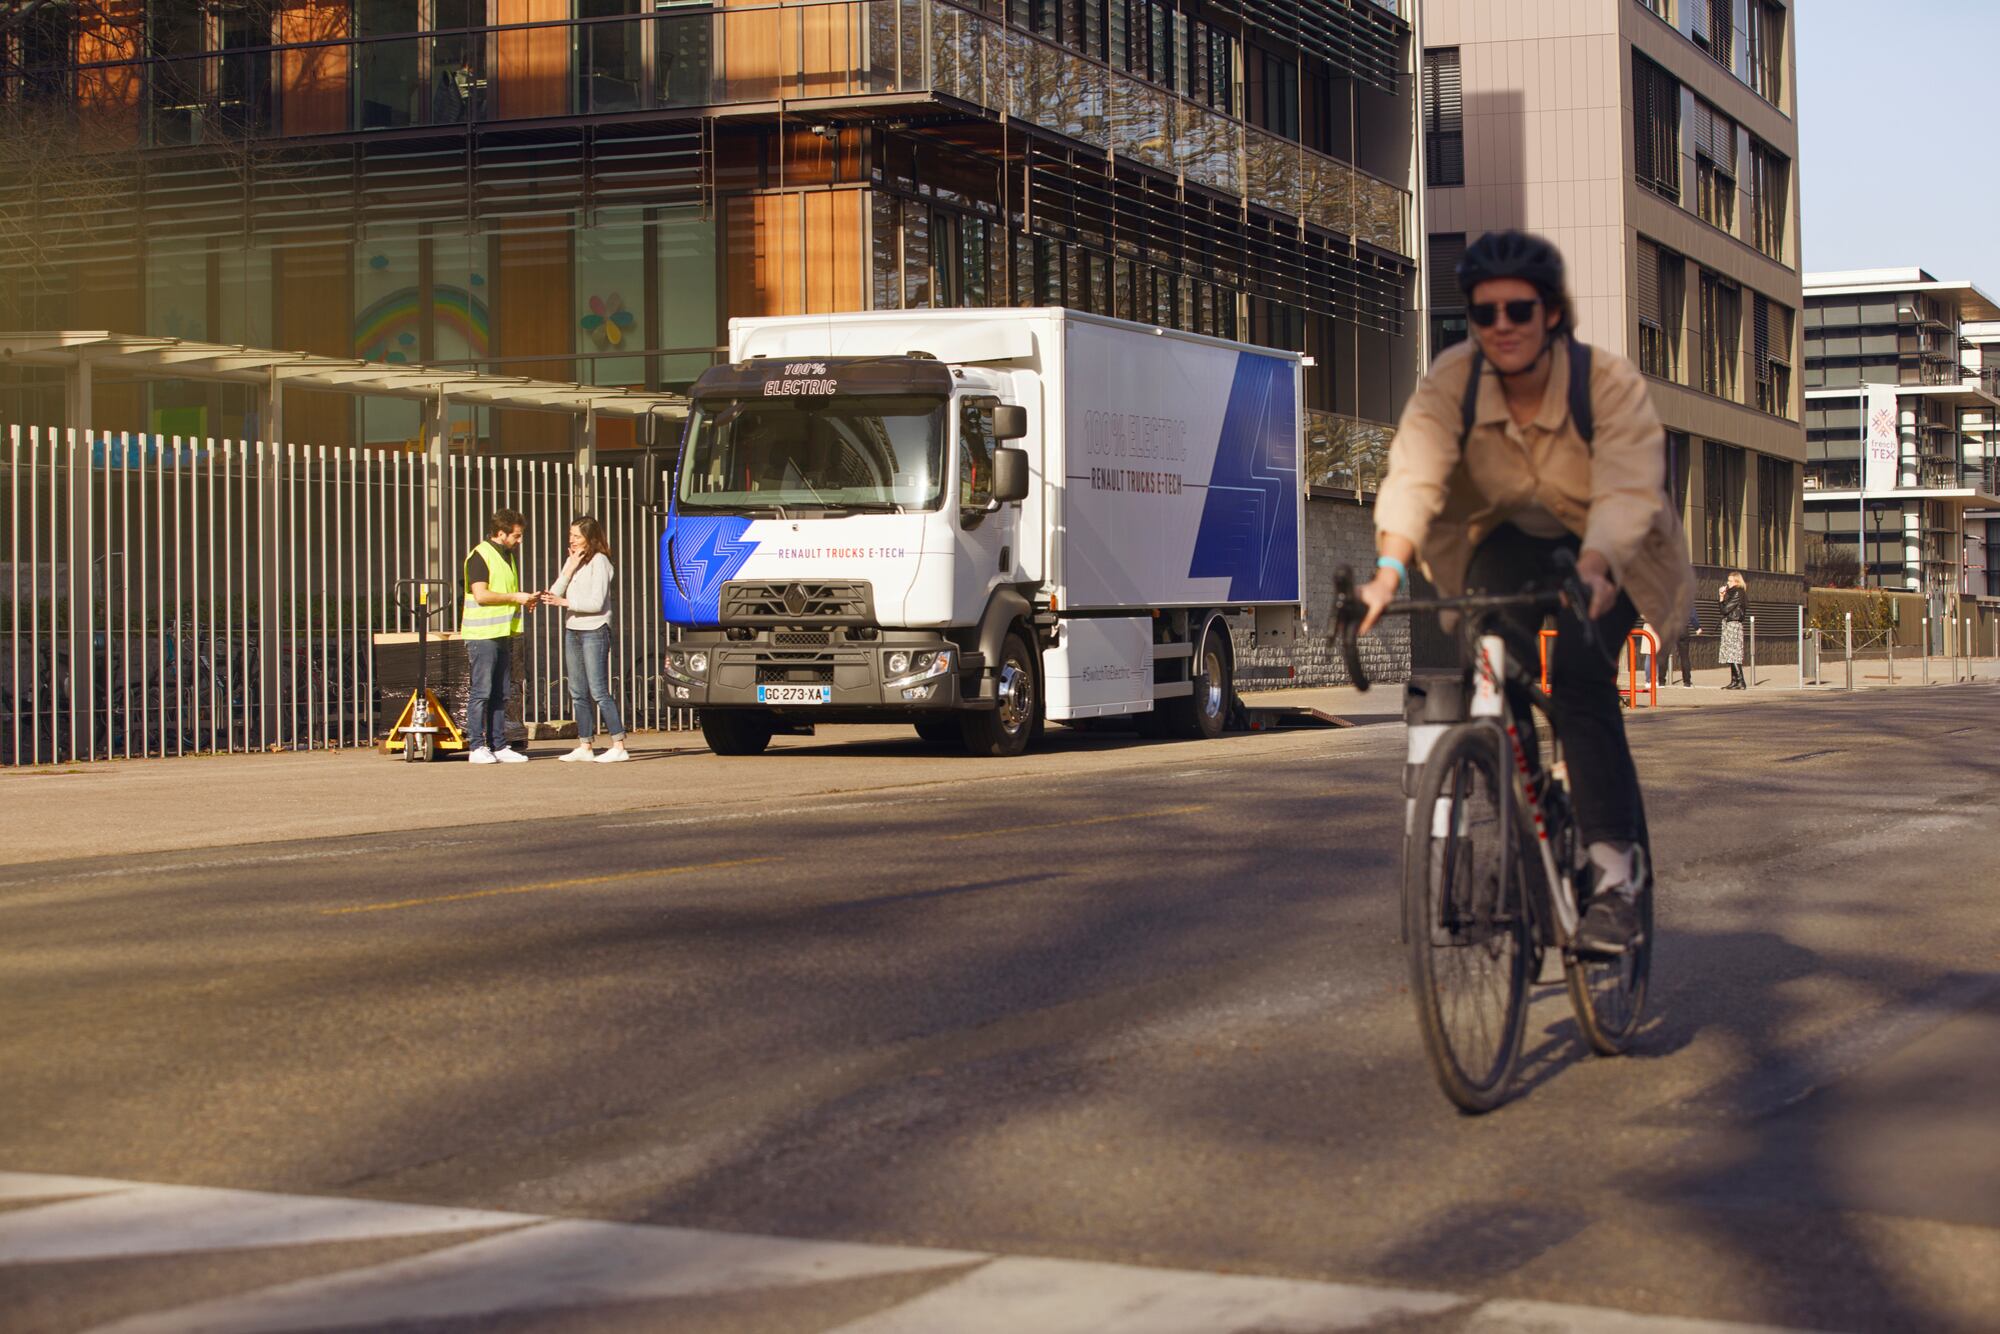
<point x="1681" y="651"/>
<point x="1734" y="594"/>
<point x="489" y="623"/>
<point x="584" y="588"/>
<point x="1495" y="471"/>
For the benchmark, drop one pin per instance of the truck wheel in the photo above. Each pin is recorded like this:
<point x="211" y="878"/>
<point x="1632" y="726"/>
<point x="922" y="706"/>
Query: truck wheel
<point x="1202" y="715"/>
<point x="1007" y="728"/>
<point x="736" y="732"/>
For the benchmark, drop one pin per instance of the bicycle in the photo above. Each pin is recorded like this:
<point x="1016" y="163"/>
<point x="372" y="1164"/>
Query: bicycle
<point x="1480" y="909"/>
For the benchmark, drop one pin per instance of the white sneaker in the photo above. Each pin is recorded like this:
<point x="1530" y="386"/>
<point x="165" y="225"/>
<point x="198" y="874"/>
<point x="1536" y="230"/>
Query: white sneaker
<point x="508" y="755"/>
<point x="578" y="754"/>
<point x="481" y="756"/>
<point x="616" y="755"/>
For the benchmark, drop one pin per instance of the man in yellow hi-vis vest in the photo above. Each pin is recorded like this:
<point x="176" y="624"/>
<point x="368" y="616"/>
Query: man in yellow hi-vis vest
<point x="488" y="623"/>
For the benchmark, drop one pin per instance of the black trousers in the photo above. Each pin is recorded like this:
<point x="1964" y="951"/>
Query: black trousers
<point x="1604" y="785"/>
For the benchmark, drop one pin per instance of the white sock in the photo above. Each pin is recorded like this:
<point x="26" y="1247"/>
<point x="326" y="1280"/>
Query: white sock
<point x="1615" y="869"/>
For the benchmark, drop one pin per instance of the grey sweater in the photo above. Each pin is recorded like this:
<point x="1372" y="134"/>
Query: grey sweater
<point x="589" y="594"/>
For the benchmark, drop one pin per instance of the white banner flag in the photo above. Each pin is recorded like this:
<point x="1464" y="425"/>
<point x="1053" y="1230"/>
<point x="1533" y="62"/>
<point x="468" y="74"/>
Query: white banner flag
<point x="1882" y="444"/>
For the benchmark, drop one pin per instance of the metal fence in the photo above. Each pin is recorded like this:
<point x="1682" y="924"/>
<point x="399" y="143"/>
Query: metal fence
<point x="170" y="596"/>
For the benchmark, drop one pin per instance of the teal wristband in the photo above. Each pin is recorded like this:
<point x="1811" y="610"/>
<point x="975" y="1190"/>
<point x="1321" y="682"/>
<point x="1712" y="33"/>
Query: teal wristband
<point x="1391" y="563"/>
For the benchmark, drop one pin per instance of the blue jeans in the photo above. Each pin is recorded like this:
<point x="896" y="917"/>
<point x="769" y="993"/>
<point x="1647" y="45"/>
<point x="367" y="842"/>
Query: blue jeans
<point x="492" y="662"/>
<point x="587" y="658"/>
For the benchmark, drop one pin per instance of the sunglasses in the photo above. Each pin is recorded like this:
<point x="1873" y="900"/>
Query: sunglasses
<point x="1484" y="313"/>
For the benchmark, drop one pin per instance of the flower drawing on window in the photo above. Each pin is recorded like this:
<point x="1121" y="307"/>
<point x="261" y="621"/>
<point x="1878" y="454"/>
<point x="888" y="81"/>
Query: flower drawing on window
<point x="607" y="321"/>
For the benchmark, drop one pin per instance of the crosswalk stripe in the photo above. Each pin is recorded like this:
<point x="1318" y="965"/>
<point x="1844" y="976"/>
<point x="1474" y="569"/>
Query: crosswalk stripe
<point x="1075" y="1297"/>
<point x="553" y="1265"/>
<point x="537" y="1263"/>
<point x="159" y="1220"/>
<point x="35" y="1185"/>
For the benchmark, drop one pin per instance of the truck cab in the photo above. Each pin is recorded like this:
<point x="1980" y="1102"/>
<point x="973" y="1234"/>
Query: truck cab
<point x="838" y="529"/>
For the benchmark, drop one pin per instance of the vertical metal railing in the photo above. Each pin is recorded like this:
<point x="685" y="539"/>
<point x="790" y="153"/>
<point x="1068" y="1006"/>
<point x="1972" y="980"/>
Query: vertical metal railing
<point x="185" y="595"/>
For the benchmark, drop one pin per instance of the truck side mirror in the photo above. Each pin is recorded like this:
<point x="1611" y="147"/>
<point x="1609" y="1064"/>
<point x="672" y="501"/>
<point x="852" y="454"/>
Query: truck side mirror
<point x="1010" y="422"/>
<point x="646" y="482"/>
<point x="1010" y="473"/>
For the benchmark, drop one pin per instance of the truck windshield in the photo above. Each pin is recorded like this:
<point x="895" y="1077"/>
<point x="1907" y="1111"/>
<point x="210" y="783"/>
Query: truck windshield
<point x="860" y="453"/>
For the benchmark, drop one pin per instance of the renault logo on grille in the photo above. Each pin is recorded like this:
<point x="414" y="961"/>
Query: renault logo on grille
<point x="795" y="599"/>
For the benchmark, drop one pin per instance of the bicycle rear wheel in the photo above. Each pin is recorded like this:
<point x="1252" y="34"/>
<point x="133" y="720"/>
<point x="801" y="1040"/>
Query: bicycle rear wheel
<point x="1469" y="932"/>
<point x="1609" y="993"/>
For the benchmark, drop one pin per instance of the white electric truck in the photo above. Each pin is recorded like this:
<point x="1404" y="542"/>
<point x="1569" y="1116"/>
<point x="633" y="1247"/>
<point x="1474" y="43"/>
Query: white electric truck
<point x="976" y="520"/>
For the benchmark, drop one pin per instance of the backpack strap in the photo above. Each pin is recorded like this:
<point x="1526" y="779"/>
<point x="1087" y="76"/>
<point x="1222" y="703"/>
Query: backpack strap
<point x="1468" y="408"/>
<point x="1581" y="414"/>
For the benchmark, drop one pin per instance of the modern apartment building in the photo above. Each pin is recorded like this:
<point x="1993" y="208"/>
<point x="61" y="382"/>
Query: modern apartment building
<point x="587" y="190"/>
<point x="1938" y="345"/>
<point x="1654" y="141"/>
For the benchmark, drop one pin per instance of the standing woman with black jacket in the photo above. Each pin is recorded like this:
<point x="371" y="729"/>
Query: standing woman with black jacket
<point x="1735" y="593"/>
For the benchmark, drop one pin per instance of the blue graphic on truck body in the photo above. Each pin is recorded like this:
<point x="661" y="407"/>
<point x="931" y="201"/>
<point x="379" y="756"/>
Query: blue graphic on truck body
<point x="1250" y="521"/>
<point x="698" y="554"/>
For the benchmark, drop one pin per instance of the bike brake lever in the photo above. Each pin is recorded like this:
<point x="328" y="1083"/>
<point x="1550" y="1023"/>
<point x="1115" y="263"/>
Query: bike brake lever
<point x="1578" y="597"/>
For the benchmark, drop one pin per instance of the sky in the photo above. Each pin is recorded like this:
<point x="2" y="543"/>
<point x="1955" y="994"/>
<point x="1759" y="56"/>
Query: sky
<point x="1895" y="169"/>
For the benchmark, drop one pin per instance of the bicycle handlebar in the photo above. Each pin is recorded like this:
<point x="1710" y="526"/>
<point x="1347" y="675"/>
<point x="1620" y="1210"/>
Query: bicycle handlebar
<point x="1349" y="611"/>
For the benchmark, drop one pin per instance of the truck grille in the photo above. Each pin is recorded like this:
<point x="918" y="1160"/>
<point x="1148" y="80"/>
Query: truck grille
<point x="804" y="603"/>
<point x="802" y="638"/>
<point x="780" y="675"/>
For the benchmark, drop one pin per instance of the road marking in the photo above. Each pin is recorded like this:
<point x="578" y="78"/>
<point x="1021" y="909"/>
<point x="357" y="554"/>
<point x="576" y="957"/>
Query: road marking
<point x="538" y="1263"/>
<point x="134" y="1219"/>
<point x="576" y="882"/>
<point x="1076" y="824"/>
<point x="1076" y="1297"/>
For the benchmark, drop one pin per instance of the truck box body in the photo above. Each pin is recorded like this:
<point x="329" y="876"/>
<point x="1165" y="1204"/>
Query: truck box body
<point x="1163" y="479"/>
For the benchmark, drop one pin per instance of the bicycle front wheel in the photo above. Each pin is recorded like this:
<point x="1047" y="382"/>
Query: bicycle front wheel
<point x="1469" y="933"/>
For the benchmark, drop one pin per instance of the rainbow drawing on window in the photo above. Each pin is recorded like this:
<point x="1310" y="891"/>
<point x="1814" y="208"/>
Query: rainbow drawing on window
<point x="388" y="329"/>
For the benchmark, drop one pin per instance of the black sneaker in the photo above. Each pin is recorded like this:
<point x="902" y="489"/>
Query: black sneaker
<point x="1610" y="924"/>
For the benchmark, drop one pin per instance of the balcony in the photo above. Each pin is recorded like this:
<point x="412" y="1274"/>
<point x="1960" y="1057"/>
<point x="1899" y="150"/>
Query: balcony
<point x="812" y="57"/>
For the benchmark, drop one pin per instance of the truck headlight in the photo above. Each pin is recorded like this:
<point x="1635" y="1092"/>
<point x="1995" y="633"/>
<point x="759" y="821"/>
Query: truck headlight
<point x="907" y="669"/>
<point x="688" y="666"/>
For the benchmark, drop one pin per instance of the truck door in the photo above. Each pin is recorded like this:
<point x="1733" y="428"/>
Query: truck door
<point x="986" y="535"/>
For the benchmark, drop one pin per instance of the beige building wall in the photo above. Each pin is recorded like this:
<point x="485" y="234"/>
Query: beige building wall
<point x="1547" y="87"/>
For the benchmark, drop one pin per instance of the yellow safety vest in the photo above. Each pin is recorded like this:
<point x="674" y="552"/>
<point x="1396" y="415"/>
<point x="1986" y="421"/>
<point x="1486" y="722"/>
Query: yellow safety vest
<point x="477" y="622"/>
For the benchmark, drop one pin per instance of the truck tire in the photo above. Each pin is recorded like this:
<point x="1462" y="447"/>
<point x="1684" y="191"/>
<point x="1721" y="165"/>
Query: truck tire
<point x="1008" y="727"/>
<point x="736" y="731"/>
<point x="1202" y="715"/>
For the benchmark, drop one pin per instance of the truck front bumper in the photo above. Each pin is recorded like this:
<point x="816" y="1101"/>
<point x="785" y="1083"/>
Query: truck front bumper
<point x="815" y="673"/>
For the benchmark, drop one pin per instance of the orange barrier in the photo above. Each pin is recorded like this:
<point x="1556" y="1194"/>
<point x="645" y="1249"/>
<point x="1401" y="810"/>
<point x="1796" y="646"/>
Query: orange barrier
<point x="1629" y="691"/>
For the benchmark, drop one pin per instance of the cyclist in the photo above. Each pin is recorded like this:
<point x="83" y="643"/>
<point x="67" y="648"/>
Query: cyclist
<point x="1489" y="478"/>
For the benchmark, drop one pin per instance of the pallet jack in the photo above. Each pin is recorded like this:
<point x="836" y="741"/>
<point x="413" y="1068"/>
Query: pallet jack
<point x="424" y="728"/>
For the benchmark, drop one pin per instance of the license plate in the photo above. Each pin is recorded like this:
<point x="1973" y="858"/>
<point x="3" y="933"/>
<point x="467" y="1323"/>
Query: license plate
<point x="794" y="694"/>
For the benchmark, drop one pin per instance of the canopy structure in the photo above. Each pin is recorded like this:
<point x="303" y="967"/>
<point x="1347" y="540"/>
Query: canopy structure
<point x="84" y="354"/>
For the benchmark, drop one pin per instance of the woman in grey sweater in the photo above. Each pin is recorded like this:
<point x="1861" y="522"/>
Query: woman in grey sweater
<point x="584" y="587"/>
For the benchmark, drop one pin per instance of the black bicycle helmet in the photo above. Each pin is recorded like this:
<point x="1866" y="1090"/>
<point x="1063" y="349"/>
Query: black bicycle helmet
<point x="1520" y="255"/>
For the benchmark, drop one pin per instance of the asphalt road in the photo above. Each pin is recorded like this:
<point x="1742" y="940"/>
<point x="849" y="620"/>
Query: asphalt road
<point x="1147" y="1007"/>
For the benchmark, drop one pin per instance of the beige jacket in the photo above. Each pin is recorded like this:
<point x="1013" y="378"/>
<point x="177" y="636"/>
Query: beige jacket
<point x="1610" y="492"/>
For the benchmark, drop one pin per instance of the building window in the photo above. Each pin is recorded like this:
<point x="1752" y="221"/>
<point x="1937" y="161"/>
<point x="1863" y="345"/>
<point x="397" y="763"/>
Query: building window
<point x="1767" y="51"/>
<point x="1663" y="8"/>
<point x="1662" y="287"/>
<point x="1278" y="107"/>
<point x="1656" y="137"/>
<point x="1722" y="502"/>
<point x="1447" y="300"/>
<point x="1770" y="192"/>
<point x="1714" y="30"/>
<point x="1721" y="335"/>
<point x="1771" y="355"/>
<point x="1679" y="466"/>
<point x="1444" y="119"/>
<point x="1774" y="513"/>
<point x="1715" y="166"/>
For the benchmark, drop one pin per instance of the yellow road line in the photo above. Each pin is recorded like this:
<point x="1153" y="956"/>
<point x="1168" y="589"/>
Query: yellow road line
<point x="576" y="883"/>
<point x="1074" y="824"/>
